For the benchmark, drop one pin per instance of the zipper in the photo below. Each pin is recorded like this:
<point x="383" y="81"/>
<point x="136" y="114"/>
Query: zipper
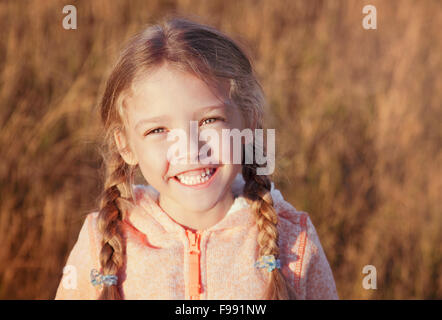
<point x="194" y="264"/>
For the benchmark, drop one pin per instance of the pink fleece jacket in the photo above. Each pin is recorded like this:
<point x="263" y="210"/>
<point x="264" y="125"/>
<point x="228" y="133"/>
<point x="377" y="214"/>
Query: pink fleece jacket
<point x="166" y="261"/>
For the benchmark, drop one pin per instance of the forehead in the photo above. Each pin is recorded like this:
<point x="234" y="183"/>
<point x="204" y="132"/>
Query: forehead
<point x="169" y="91"/>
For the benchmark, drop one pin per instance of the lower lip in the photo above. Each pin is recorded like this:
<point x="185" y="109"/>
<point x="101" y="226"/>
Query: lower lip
<point x="200" y="185"/>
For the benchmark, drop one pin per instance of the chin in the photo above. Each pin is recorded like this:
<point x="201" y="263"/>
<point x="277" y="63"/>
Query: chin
<point x="198" y="204"/>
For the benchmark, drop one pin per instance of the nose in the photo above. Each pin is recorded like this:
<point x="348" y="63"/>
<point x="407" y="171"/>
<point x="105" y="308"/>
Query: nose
<point x="193" y="154"/>
<point x="186" y="149"/>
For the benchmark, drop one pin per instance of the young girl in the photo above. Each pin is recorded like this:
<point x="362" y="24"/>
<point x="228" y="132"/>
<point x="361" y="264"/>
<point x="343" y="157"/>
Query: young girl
<point x="200" y="229"/>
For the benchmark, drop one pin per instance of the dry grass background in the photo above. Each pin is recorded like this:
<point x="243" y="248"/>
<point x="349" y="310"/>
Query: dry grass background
<point x="357" y="114"/>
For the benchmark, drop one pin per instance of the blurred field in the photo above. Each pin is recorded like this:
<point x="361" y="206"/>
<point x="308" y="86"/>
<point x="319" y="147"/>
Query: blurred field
<point x="357" y="116"/>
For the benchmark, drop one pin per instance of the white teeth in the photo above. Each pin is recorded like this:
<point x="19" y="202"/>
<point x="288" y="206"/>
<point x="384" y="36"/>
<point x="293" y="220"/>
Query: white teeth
<point x="205" y="175"/>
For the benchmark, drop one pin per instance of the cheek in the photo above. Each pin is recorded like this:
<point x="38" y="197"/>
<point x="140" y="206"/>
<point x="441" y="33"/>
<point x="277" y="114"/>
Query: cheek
<point x="211" y="147"/>
<point x="226" y="150"/>
<point x="153" y="161"/>
<point x="231" y="147"/>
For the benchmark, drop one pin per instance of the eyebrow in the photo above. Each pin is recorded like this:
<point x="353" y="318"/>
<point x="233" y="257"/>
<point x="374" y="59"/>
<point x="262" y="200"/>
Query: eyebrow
<point x="210" y="108"/>
<point x="164" y="118"/>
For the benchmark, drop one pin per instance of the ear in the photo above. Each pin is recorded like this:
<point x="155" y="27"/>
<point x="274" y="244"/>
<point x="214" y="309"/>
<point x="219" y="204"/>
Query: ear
<point x="124" y="149"/>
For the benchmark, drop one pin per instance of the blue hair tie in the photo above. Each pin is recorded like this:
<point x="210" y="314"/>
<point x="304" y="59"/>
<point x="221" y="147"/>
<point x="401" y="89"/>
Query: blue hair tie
<point x="268" y="262"/>
<point x="99" y="279"/>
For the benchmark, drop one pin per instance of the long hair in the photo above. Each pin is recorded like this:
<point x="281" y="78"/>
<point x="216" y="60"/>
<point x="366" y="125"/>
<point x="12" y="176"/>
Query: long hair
<point x="217" y="60"/>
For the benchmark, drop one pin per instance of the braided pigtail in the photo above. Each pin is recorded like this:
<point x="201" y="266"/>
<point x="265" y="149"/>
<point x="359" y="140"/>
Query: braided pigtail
<point x="257" y="190"/>
<point x="110" y="224"/>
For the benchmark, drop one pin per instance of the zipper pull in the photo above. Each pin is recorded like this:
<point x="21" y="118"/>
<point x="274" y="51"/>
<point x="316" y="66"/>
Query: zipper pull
<point x="193" y="241"/>
<point x="194" y="265"/>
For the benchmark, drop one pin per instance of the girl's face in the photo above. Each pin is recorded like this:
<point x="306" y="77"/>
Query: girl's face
<point x="170" y="99"/>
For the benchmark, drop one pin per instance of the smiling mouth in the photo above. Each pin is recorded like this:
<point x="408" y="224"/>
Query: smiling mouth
<point x="199" y="177"/>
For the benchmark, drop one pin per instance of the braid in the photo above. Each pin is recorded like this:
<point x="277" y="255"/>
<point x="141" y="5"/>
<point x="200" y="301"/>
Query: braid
<point x="109" y="223"/>
<point x="257" y="190"/>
